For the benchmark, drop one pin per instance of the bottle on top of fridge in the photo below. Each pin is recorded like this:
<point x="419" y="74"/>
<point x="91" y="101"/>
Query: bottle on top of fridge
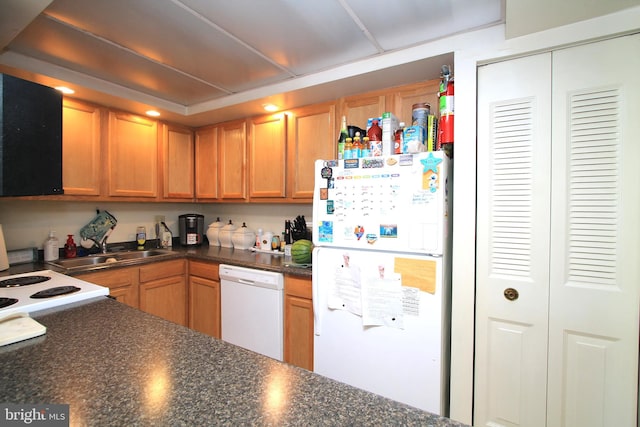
<point x="348" y="148"/>
<point x="375" y="131"/>
<point x="342" y="139"/>
<point x="365" y="151"/>
<point x="397" y="142"/>
<point x="357" y="147"/>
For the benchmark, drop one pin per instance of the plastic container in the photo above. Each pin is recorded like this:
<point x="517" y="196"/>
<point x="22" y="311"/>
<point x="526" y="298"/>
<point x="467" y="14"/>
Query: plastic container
<point x="51" y="247"/>
<point x="259" y="239"/>
<point x="70" y="248"/>
<point x="419" y="114"/>
<point x="398" y="138"/>
<point x="375" y="131"/>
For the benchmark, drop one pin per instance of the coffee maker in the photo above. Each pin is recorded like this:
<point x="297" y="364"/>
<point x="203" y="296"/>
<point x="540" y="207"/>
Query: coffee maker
<point x="191" y="229"/>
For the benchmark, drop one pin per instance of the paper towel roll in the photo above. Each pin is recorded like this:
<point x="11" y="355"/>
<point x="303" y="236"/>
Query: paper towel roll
<point x="4" y="259"/>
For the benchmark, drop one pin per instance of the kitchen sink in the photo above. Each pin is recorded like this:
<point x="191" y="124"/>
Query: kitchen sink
<point x="109" y="258"/>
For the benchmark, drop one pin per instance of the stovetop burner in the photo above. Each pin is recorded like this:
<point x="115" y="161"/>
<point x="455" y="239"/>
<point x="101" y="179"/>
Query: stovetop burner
<point x="6" y="302"/>
<point x="54" y="292"/>
<point x="23" y="281"/>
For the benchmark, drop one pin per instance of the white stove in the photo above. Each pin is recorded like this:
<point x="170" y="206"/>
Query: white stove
<point x="38" y="290"/>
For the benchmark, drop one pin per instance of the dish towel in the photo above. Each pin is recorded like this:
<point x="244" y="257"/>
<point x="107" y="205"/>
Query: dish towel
<point x="98" y="227"/>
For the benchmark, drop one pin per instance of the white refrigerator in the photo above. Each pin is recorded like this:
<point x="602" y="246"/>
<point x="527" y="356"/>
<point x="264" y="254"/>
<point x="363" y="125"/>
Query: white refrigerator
<point x="381" y="275"/>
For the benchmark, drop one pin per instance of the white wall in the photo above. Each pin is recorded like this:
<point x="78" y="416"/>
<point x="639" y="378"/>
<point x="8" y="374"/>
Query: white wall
<point x="531" y="16"/>
<point x="26" y="223"/>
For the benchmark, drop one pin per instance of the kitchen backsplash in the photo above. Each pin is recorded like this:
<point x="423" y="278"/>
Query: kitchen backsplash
<point x="26" y="223"/>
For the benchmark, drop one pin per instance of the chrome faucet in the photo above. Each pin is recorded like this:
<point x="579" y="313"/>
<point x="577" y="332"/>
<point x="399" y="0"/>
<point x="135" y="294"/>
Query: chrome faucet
<point x="103" y="244"/>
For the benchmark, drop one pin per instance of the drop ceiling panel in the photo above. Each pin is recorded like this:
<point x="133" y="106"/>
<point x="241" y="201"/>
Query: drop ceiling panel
<point x="396" y="25"/>
<point x="57" y="44"/>
<point x="303" y="36"/>
<point x="171" y="35"/>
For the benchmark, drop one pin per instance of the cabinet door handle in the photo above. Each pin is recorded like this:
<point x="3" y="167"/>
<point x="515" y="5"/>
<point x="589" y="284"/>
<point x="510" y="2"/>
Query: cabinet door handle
<point x="511" y="294"/>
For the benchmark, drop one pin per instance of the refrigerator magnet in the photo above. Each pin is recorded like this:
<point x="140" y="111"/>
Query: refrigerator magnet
<point x="324" y="193"/>
<point x="330" y="208"/>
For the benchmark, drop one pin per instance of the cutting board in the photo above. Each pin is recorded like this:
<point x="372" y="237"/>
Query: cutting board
<point x="19" y="327"/>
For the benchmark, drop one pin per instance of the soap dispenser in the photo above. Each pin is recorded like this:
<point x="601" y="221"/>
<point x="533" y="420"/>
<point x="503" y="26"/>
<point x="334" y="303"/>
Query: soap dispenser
<point x="70" y="247"/>
<point x="51" y="247"/>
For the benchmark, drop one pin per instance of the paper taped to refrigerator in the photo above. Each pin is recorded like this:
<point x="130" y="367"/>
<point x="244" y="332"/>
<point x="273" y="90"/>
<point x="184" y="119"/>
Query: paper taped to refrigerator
<point x="417" y="273"/>
<point x="345" y="294"/>
<point x="382" y="302"/>
<point x="410" y="301"/>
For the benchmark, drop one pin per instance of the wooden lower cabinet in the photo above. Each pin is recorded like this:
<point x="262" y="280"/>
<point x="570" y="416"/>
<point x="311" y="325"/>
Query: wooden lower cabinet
<point x="158" y="288"/>
<point x="163" y="290"/>
<point x="204" y="298"/>
<point x="122" y="283"/>
<point x="298" y="322"/>
<point x="192" y="299"/>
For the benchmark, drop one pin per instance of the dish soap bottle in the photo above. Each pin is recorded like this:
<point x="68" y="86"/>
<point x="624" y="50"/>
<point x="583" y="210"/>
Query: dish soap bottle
<point x="70" y="247"/>
<point x="51" y="247"/>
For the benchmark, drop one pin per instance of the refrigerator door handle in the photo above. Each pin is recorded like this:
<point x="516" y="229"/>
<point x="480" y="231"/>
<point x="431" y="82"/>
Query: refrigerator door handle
<point x="315" y="293"/>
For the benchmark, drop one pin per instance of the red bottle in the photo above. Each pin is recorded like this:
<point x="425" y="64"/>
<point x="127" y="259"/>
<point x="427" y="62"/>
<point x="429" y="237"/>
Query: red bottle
<point x="70" y="247"/>
<point x="375" y="131"/>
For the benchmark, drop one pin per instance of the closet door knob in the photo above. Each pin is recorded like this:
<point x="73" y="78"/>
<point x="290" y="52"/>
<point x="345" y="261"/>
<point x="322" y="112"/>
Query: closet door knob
<point x="511" y="294"/>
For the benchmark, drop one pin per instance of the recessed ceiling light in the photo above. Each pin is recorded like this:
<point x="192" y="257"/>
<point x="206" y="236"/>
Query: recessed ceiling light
<point x="270" y="107"/>
<point x="65" y="90"/>
<point x="153" y="113"/>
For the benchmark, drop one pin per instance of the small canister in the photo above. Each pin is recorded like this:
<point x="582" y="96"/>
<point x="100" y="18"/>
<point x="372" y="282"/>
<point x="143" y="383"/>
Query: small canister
<point x="420" y="115"/>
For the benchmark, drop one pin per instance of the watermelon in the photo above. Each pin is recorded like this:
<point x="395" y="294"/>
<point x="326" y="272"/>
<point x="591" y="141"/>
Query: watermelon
<point x="301" y="251"/>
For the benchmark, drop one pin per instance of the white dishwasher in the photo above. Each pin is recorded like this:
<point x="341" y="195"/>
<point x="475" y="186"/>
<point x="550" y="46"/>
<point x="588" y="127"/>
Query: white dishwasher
<point x="252" y="309"/>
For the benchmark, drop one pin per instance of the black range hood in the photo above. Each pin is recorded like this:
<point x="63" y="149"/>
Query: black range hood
<point x="31" y="139"/>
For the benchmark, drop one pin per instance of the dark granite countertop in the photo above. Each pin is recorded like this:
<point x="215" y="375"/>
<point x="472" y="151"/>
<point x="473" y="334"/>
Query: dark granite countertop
<point x="243" y="258"/>
<point x="115" y="365"/>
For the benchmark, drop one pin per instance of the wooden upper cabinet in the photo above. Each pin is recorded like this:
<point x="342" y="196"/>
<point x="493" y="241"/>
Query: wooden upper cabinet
<point x="267" y="156"/>
<point x="81" y="166"/>
<point x="403" y="98"/>
<point x="312" y="135"/>
<point x="206" y="184"/>
<point x="178" y="162"/>
<point x="132" y="156"/>
<point x="232" y="163"/>
<point x="359" y="108"/>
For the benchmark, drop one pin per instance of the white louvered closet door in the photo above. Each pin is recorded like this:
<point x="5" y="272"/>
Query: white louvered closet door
<point x="578" y="292"/>
<point x="513" y="185"/>
<point x="595" y="235"/>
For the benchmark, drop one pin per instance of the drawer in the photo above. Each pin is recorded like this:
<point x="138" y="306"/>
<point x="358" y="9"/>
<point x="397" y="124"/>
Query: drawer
<point x="160" y="270"/>
<point x="207" y="270"/>
<point x="298" y="286"/>
<point x="112" y="278"/>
